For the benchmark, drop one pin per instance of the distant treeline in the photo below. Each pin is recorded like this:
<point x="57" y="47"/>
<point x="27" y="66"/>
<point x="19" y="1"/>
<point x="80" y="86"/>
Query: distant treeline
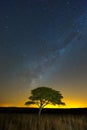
<point x="46" y="110"/>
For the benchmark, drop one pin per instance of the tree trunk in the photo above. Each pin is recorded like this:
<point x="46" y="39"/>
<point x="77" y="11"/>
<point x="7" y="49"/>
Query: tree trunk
<point x="40" y="109"/>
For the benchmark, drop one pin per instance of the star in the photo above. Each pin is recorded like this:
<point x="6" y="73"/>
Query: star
<point x="6" y="27"/>
<point x="7" y="17"/>
<point x="62" y="51"/>
<point x="25" y="55"/>
<point x="68" y="3"/>
<point x="77" y="30"/>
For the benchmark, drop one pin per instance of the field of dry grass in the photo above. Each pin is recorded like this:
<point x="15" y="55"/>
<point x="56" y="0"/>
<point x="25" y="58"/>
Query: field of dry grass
<point x="16" y="121"/>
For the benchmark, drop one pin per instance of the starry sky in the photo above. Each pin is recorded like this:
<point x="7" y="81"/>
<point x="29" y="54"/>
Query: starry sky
<point x="43" y="43"/>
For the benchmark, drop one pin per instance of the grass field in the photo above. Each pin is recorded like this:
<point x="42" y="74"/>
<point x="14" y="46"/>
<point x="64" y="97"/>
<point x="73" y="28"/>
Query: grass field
<point x="27" y="121"/>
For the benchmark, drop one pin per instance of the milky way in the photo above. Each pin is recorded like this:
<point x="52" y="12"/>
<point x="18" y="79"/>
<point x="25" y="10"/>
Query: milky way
<point x="42" y="42"/>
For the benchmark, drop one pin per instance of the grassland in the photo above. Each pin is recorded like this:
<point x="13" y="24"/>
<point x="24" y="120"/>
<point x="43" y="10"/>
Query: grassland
<point x="30" y="121"/>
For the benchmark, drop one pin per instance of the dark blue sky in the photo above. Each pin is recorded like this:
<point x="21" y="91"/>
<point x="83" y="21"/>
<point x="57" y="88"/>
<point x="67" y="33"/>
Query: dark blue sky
<point x="43" y="42"/>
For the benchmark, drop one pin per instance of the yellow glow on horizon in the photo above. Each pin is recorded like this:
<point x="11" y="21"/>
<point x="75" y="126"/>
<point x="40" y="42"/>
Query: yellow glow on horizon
<point x="69" y="104"/>
<point x="48" y="106"/>
<point x="5" y="105"/>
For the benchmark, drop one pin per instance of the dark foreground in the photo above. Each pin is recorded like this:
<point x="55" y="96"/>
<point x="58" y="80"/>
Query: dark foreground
<point x="51" y="119"/>
<point x="44" y="111"/>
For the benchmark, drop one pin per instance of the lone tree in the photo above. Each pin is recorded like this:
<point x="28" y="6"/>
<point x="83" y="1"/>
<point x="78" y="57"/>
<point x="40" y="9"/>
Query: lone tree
<point x="43" y="96"/>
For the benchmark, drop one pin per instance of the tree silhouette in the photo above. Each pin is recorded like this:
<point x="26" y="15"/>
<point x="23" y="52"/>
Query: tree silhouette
<point x="43" y="96"/>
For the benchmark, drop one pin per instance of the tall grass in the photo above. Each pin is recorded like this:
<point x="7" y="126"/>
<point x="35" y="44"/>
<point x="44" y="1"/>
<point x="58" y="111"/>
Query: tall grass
<point x="22" y="121"/>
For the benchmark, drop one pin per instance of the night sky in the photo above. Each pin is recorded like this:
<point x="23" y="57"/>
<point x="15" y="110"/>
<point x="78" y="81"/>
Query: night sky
<point x="43" y="43"/>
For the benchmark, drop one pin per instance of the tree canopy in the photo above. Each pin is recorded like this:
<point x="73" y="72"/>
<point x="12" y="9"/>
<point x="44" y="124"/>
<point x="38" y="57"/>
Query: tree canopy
<point x="43" y="96"/>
